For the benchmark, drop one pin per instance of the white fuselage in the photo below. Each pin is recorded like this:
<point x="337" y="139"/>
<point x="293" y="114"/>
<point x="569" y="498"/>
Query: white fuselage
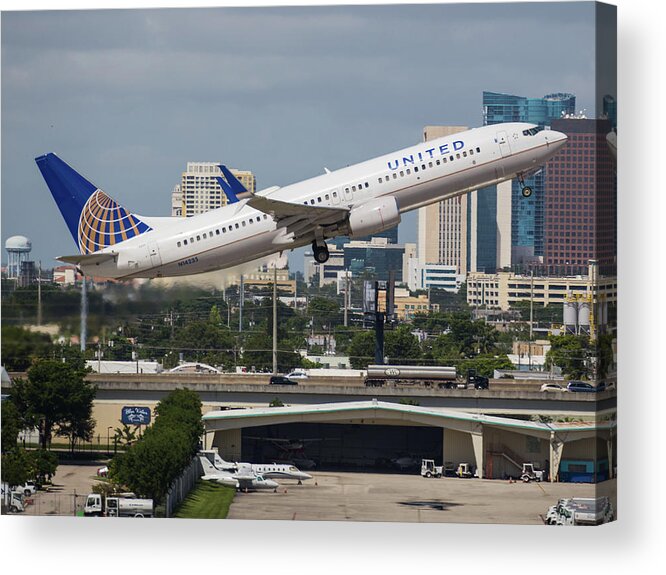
<point x="415" y="177"/>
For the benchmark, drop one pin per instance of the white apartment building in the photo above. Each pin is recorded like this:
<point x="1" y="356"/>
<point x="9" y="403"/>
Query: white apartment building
<point x="199" y="190"/>
<point x="422" y="276"/>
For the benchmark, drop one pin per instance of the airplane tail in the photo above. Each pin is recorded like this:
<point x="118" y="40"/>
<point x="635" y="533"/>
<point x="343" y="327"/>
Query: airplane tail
<point x="94" y="219"/>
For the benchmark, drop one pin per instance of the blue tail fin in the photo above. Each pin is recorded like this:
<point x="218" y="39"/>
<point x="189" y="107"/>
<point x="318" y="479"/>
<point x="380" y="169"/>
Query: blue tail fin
<point x="94" y="219"/>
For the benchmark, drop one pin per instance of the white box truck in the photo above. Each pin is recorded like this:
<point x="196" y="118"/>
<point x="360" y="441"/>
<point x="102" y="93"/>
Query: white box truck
<point x="12" y="501"/>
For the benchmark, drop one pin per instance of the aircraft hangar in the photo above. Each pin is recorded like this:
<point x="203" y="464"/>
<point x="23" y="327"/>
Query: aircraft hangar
<point x="378" y="435"/>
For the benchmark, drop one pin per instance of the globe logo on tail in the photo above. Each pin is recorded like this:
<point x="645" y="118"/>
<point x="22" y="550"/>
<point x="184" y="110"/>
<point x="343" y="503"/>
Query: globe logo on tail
<point x="104" y="223"/>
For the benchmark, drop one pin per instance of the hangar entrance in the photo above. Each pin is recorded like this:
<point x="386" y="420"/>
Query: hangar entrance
<point x="344" y="447"/>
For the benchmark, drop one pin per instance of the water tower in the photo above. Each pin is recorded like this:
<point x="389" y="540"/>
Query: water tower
<point x="18" y="249"/>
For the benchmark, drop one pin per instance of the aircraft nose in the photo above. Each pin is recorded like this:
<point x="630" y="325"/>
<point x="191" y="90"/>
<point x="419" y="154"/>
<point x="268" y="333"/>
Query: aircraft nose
<point x="555" y="139"/>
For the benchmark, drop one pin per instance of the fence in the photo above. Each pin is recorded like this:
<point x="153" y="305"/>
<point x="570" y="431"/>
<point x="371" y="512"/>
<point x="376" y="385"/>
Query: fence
<point x="44" y="503"/>
<point x="181" y="487"/>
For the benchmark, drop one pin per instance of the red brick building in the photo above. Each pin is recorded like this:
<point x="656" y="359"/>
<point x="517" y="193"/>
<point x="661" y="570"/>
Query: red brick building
<point x="580" y="219"/>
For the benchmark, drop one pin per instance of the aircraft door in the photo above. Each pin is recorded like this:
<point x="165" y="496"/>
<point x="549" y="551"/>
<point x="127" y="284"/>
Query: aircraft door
<point x="154" y="252"/>
<point x="348" y="197"/>
<point x="503" y="142"/>
<point x="335" y="196"/>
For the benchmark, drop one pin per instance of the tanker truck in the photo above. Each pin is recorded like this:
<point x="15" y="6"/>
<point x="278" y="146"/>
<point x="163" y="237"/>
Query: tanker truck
<point x="428" y="376"/>
<point x="100" y="506"/>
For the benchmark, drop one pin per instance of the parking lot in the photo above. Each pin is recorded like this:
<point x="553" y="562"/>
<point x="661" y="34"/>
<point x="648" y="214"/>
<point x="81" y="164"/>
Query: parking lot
<point x="71" y="484"/>
<point x="409" y="498"/>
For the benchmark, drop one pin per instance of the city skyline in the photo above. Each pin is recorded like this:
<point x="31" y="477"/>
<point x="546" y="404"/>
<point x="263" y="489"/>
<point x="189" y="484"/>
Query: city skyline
<point x="334" y="89"/>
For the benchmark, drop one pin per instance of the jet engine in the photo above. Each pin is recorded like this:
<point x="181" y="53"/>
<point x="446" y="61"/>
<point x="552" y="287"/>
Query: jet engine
<point x="374" y="216"/>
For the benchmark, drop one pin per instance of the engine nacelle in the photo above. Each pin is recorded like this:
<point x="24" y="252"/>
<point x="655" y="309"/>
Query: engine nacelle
<point x="374" y="216"/>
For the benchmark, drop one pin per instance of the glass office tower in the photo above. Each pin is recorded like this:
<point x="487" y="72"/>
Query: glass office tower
<point x="527" y="214"/>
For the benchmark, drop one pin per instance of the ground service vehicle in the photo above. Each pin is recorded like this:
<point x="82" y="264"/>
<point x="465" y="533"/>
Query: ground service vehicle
<point x="532" y="472"/>
<point x="465" y="470"/>
<point x="99" y="506"/>
<point x="11" y="500"/>
<point x="429" y="469"/>
<point x="584" y="511"/>
<point x="428" y="376"/>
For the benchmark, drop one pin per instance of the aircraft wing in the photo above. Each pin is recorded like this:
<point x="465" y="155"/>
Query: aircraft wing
<point x="88" y="259"/>
<point x="280" y="210"/>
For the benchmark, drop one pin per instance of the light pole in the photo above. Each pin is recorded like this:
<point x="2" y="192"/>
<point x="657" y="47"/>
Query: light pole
<point x="108" y="439"/>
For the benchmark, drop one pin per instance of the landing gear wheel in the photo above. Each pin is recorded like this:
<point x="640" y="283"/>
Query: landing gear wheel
<point x="320" y="252"/>
<point x="527" y="192"/>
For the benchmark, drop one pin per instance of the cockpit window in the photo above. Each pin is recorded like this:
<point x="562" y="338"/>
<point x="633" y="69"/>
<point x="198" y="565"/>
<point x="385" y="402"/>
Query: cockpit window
<point x="531" y="132"/>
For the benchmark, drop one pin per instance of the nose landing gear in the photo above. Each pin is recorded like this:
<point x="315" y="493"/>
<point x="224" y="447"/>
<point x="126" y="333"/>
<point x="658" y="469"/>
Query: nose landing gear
<point x="320" y="251"/>
<point x="525" y="190"/>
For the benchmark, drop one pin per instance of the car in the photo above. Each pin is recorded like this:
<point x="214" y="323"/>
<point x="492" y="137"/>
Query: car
<point x="27" y="489"/>
<point x="553" y="387"/>
<point x="103" y="471"/>
<point x="584" y="386"/>
<point x="297" y="374"/>
<point x="282" y="380"/>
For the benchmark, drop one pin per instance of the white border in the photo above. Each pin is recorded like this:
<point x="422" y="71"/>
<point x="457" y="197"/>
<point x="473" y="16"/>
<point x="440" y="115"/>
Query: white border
<point x="632" y="545"/>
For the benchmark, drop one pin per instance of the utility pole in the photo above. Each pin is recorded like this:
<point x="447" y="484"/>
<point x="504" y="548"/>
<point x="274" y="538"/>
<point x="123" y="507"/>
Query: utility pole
<point x="275" y="362"/>
<point x="39" y="294"/>
<point x="346" y="297"/>
<point x="529" y="348"/>
<point x="241" y="297"/>
<point x="84" y="313"/>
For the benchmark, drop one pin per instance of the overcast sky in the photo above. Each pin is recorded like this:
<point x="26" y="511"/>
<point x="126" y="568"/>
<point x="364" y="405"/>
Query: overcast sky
<point x="129" y="96"/>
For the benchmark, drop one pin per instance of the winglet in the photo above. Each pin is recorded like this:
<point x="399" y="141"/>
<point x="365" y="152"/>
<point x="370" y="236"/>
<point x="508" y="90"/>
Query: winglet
<point x="232" y="187"/>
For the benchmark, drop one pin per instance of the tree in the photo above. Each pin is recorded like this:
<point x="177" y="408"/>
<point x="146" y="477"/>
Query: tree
<point x="203" y="341"/>
<point x="276" y="402"/>
<point x="20" y="347"/>
<point x="43" y="464"/>
<point x="570" y="353"/>
<point x="55" y="398"/>
<point x="401" y="346"/>
<point x="11" y="426"/>
<point x="362" y="350"/>
<point x="125" y="435"/>
<point x="16" y="467"/>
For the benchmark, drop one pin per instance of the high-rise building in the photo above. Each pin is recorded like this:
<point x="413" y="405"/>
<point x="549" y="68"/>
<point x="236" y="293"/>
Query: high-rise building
<point x="199" y="190"/>
<point x="176" y="202"/>
<point x="443" y="227"/>
<point x="581" y="204"/>
<point x="526" y="213"/>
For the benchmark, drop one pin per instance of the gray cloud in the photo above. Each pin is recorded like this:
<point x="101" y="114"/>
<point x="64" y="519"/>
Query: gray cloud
<point x="129" y="96"/>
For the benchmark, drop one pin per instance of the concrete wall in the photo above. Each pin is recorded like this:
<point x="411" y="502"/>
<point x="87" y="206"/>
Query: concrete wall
<point x="458" y="447"/>
<point x="519" y="447"/>
<point x="228" y="444"/>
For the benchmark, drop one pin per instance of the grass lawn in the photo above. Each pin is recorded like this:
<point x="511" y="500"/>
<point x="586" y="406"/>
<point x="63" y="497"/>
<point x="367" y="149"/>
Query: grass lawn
<point x="207" y="500"/>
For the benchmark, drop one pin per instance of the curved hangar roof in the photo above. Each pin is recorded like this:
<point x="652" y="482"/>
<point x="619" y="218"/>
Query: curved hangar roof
<point x="385" y="412"/>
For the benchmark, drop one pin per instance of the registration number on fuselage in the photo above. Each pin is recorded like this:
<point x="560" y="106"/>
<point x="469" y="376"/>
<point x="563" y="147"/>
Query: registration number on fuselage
<point x="188" y="261"/>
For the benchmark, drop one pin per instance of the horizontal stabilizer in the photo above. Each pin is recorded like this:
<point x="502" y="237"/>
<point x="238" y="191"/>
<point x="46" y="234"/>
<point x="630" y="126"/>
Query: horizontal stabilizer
<point x="89" y="259"/>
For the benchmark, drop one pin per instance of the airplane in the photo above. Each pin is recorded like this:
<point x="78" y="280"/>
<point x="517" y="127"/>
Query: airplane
<point x="217" y="476"/>
<point x="245" y="480"/>
<point x="405" y="462"/>
<point x="355" y="201"/>
<point x="266" y="470"/>
<point x="293" y="449"/>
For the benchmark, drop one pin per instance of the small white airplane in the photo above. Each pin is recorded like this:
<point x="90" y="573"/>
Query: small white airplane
<point x="266" y="470"/>
<point x="242" y="479"/>
<point x="355" y="201"/>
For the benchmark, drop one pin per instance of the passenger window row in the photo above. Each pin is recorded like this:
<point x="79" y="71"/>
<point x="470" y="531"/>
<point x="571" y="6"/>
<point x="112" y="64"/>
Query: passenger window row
<point x="222" y="230"/>
<point x="424" y="166"/>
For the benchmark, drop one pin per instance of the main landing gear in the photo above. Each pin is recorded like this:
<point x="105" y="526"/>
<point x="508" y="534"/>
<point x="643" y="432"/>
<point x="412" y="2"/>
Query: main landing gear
<point x="320" y="251"/>
<point x="526" y="190"/>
